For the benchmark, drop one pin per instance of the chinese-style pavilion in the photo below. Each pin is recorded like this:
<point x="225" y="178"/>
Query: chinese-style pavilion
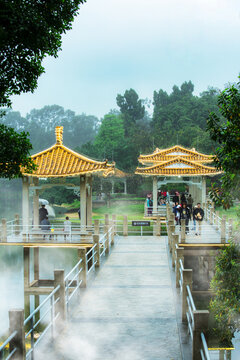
<point x="58" y="161"/>
<point x="178" y="165"/>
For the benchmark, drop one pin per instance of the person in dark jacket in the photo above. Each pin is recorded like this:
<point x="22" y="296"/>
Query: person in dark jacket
<point x="190" y="202"/>
<point x="183" y="198"/>
<point x="198" y="215"/>
<point x="185" y="214"/>
<point x="42" y="213"/>
<point x="176" y="199"/>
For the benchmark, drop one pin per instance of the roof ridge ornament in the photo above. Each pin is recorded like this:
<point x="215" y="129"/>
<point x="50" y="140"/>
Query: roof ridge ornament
<point x="59" y="135"/>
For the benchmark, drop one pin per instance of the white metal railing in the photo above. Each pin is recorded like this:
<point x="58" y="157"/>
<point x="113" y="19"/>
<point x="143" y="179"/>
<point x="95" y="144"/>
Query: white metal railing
<point x="190" y="308"/>
<point x="5" y="347"/>
<point x="204" y="352"/>
<point x="51" y="301"/>
<point x="90" y="259"/>
<point x="72" y="280"/>
<point x="181" y="268"/>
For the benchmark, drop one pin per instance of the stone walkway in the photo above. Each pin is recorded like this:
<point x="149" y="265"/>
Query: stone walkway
<point x="127" y="311"/>
<point x="209" y="234"/>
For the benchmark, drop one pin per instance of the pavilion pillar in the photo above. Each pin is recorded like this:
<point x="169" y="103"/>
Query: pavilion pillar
<point x="125" y="186"/>
<point x="155" y="195"/>
<point x="89" y="200"/>
<point x="203" y="189"/>
<point x="36" y="203"/>
<point x="83" y="200"/>
<point x="25" y="202"/>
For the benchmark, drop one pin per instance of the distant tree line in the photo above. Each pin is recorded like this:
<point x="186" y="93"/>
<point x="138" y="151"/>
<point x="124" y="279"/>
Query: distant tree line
<point x="178" y="118"/>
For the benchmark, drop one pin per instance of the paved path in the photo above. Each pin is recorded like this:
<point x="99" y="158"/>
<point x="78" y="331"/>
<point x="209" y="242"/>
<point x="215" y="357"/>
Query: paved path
<point x="128" y="310"/>
<point x="209" y="234"/>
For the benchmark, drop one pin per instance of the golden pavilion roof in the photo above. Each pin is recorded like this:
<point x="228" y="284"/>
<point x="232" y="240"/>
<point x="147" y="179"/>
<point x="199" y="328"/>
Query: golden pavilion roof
<point x="163" y="155"/>
<point x="120" y="174"/>
<point x="59" y="161"/>
<point x="177" y="166"/>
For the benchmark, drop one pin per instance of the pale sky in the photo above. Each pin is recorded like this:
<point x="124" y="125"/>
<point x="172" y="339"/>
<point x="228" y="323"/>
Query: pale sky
<point x="146" y="45"/>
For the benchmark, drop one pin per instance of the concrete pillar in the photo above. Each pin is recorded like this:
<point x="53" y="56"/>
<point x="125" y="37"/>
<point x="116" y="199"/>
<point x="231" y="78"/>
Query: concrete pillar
<point x="61" y="304"/>
<point x="97" y="249"/>
<point x="223" y="229"/>
<point x="83" y="273"/>
<point x="125" y="225"/>
<point x="158" y="226"/>
<point x="83" y="200"/>
<point x="4" y="230"/>
<point x="36" y="203"/>
<point x="187" y="280"/>
<point x="16" y="323"/>
<point x="96" y="227"/>
<point x="16" y="224"/>
<point x="175" y="241"/>
<point x="200" y="325"/>
<point x="89" y="200"/>
<point x="170" y="237"/>
<point x="203" y="200"/>
<point x="114" y="220"/>
<point x="107" y="240"/>
<point x="25" y="203"/>
<point x="155" y="195"/>
<point x="36" y="262"/>
<point x="125" y="186"/>
<point x="180" y="256"/>
<point x="183" y="231"/>
<point x="112" y="233"/>
<point x="26" y="260"/>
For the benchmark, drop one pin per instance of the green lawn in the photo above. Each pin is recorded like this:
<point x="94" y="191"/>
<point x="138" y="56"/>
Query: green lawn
<point x="231" y="213"/>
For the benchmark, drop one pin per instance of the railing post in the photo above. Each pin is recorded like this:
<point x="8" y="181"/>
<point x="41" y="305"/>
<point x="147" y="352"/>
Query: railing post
<point x="83" y="273"/>
<point x="114" y="220"/>
<point x="96" y="226"/>
<point x="125" y="225"/>
<point x="4" y="230"/>
<point x="16" y="323"/>
<point x="200" y="325"/>
<point x="175" y="240"/>
<point x="61" y="304"/>
<point x="158" y="226"/>
<point x="16" y="223"/>
<point x="170" y="237"/>
<point x="180" y="256"/>
<point x="96" y="241"/>
<point x="223" y="230"/>
<point x="187" y="280"/>
<point x="112" y="233"/>
<point x="216" y="218"/>
<point x="183" y="231"/>
<point x="106" y="219"/>
<point x="107" y="240"/>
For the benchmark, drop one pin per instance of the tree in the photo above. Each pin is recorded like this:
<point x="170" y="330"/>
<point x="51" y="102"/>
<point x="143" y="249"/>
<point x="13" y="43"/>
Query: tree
<point x="131" y="108"/>
<point x="225" y="129"/>
<point x="29" y="31"/>
<point x="226" y="285"/>
<point x="14" y="153"/>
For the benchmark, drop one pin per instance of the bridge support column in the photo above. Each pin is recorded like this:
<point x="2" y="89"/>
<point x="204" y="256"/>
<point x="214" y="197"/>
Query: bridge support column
<point x="125" y="225"/>
<point x="200" y="325"/>
<point x="96" y="241"/>
<point x="83" y="273"/>
<point x="61" y="305"/>
<point x="187" y="280"/>
<point x="16" y="323"/>
<point x="175" y="240"/>
<point x="180" y="252"/>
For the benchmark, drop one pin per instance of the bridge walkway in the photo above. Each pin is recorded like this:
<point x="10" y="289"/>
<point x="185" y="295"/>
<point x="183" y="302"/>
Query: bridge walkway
<point x="128" y="310"/>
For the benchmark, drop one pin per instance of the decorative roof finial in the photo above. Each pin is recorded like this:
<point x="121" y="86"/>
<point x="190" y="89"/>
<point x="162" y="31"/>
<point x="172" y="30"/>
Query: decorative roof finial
<point x="59" y="135"/>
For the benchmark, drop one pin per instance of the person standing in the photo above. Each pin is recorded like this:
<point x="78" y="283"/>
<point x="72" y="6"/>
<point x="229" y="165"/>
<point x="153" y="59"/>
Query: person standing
<point x="198" y="215"/>
<point x="176" y="198"/>
<point x="190" y="202"/>
<point x="67" y="227"/>
<point x="185" y="214"/>
<point x="43" y="213"/>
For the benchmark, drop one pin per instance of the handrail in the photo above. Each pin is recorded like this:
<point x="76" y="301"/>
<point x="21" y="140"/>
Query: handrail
<point x="204" y="351"/>
<point x="5" y="343"/>
<point x="69" y="282"/>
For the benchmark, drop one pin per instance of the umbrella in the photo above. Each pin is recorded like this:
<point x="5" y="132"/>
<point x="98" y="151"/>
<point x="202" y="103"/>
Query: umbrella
<point x="43" y="202"/>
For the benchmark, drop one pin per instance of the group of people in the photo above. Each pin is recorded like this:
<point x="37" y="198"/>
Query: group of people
<point x="184" y="210"/>
<point x="45" y="223"/>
